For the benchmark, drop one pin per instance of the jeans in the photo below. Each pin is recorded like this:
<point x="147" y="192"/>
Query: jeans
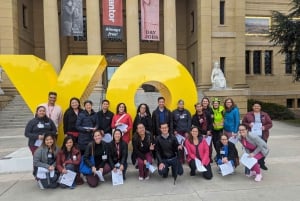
<point x="175" y="165"/>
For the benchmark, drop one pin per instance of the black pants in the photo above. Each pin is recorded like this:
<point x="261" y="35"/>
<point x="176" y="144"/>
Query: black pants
<point x="207" y="175"/>
<point x="175" y="165"/>
<point x="216" y="137"/>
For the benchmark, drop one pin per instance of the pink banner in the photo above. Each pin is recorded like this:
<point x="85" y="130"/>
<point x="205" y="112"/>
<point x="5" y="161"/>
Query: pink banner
<point x="150" y="19"/>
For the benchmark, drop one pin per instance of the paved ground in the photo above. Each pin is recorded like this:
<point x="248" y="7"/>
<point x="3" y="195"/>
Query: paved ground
<point x="280" y="183"/>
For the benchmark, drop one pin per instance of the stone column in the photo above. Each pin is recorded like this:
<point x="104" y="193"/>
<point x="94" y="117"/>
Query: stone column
<point x="51" y="33"/>
<point x="132" y="28"/>
<point x="262" y="62"/>
<point x="170" y="41"/>
<point x="251" y="62"/>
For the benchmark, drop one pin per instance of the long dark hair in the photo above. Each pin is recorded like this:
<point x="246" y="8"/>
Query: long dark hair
<point x="77" y="99"/>
<point x="190" y="137"/>
<point x="53" y="146"/>
<point x="63" y="147"/>
<point x="113" y="135"/>
<point x="232" y="106"/>
<point x="125" y="108"/>
<point x="147" y="109"/>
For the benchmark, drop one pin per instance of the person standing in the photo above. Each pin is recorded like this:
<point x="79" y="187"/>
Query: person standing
<point x="143" y="116"/>
<point x="161" y="115"/>
<point x="231" y="118"/>
<point x="218" y="120"/>
<point x="167" y="148"/>
<point x="182" y="120"/>
<point x="105" y="117"/>
<point x="53" y="111"/>
<point x="38" y="127"/>
<point x="258" y="122"/>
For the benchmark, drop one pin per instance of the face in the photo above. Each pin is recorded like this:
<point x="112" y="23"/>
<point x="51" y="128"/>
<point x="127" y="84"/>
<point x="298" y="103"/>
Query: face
<point x="199" y="108"/>
<point x="88" y="107"/>
<point x="41" y="112"/>
<point x="69" y="144"/>
<point x="121" y="108"/>
<point x="74" y="104"/>
<point x="228" y="103"/>
<point x="52" y="99"/>
<point x="224" y="140"/>
<point x="105" y="106"/>
<point x="97" y="137"/>
<point x="205" y="102"/>
<point x="164" y="129"/>
<point x="216" y="104"/>
<point x="141" y="129"/>
<point x="243" y="131"/>
<point x="161" y="103"/>
<point x="117" y="136"/>
<point x="180" y="106"/>
<point x="256" y="108"/>
<point x="142" y="109"/>
<point x="195" y="132"/>
<point x="49" y="141"/>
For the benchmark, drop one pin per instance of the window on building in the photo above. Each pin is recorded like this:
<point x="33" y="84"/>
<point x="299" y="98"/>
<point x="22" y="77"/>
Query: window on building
<point x="298" y="102"/>
<point x="290" y="103"/>
<point x="268" y="62"/>
<point x="192" y="22"/>
<point x="84" y="37"/>
<point x="288" y="63"/>
<point x="247" y="62"/>
<point x="194" y="71"/>
<point x="222" y="12"/>
<point x="222" y="64"/>
<point x="257" y="62"/>
<point x="25" y="16"/>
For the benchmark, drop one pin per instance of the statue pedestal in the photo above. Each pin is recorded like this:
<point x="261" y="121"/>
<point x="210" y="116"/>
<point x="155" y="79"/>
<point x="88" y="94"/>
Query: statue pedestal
<point x="239" y="96"/>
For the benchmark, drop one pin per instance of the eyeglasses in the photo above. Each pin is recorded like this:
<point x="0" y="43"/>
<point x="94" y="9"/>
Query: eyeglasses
<point x="224" y="139"/>
<point x="242" y="129"/>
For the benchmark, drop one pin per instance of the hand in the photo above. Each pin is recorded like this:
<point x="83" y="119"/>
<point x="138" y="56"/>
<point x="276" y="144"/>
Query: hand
<point x="124" y="131"/>
<point x="101" y="170"/>
<point x="208" y="133"/>
<point x="94" y="169"/>
<point x="121" y="167"/>
<point x="115" y="169"/>
<point x="41" y="137"/>
<point x="161" y="166"/>
<point x="263" y="128"/>
<point x="64" y="171"/>
<point x="251" y="155"/>
<point x="224" y="160"/>
<point x="152" y="146"/>
<point x="50" y="168"/>
<point x="145" y="162"/>
<point x="180" y="147"/>
<point x="251" y="125"/>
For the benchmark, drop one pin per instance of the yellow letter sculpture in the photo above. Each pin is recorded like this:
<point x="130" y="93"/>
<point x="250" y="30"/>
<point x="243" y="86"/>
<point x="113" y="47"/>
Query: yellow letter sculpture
<point x="164" y="73"/>
<point x="34" y="78"/>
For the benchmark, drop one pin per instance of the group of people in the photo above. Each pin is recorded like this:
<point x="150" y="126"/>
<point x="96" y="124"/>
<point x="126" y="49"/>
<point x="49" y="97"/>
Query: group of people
<point x="99" y="140"/>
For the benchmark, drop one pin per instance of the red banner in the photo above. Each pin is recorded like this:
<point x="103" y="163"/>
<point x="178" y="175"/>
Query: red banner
<point x="112" y="19"/>
<point x="150" y="19"/>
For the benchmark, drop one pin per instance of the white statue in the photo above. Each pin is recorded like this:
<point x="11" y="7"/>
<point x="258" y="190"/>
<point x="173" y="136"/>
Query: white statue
<point x="217" y="77"/>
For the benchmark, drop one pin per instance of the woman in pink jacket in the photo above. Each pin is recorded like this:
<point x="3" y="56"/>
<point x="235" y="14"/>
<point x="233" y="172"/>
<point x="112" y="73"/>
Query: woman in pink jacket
<point x="197" y="148"/>
<point x="123" y="121"/>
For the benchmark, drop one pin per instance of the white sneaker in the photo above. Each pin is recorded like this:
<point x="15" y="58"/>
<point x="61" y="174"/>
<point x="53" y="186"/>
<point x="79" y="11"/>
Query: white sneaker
<point x="251" y="174"/>
<point x="83" y="177"/>
<point x="40" y="185"/>
<point x="258" y="177"/>
<point x="147" y="178"/>
<point x="141" y="178"/>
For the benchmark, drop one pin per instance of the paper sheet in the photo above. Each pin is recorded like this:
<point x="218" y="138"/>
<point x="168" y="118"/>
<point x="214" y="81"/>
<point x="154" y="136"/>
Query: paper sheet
<point x="226" y="168"/>
<point x="100" y="175"/>
<point x="256" y="129"/>
<point x="38" y="143"/>
<point x="247" y="161"/>
<point x="41" y="173"/>
<point x="68" y="178"/>
<point x="199" y="165"/>
<point x="117" y="177"/>
<point x="208" y="139"/>
<point x="233" y="139"/>
<point x="122" y="127"/>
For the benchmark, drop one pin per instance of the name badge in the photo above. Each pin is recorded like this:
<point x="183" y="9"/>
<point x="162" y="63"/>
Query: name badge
<point x="49" y="155"/>
<point x="40" y="125"/>
<point x="222" y="152"/>
<point x="104" y="157"/>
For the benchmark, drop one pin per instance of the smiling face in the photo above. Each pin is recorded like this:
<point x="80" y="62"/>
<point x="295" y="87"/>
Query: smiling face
<point x="41" y="112"/>
<point x="117" y="136"/>
<point x="51" y="99"/>
<point x="224" y="139"/>
<point x="142" y="109"/>
<point x="141" y="129"/>
<point x="161" y="103"/>
<point x="97" y="137"/>
<point x="49" y="141"/>
<point x="205" y="103"/>
<point x="88" y="107"/>
<point x="195" y="132"/>
<point x="256" y="108"/>
<point x="121" y="109"/>
<point x="74" y="104"/>
<point x="243" y="130"/>
<point x="69" y="144"/>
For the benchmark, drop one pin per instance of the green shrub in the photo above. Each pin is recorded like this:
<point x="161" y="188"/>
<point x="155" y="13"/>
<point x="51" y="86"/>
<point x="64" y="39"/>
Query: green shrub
<point x="276" y="111"/>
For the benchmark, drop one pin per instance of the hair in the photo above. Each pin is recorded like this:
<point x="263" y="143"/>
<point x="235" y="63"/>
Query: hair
<point x="45" y="118"/>
<point x="74" y="98"/>
<point x="198" y="103"/>
<point x="205" y="98"/>
<point x="233" y="104"/>
<point x="223" y="134"/>
<point x="63" y="147"/>
<point x="97" y="131"/>
<point x="105" y="100"/>
<point x="160" y="98"/>
<point x="147" y="109"/>
<point x="190" y="137"/>
<point x="52" y="93"/>
<point x="164" y="123"/>
<point x="125" y="108"/>
<point x="53" y="146"/>
<point x="256" y="102"/>
<point x="244" y="125"/>
<point x="117" y="130"/>
<point x="87" y="101"/>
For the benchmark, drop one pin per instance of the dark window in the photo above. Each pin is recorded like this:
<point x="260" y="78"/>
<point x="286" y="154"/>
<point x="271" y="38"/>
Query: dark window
<point x="222" y="64"/>
<point x="288" y="63"/>
<point x="222" y="12"/>
<point x="192" y="22"/>
<point x="25" y="16"/>
<point x="84" y="37"/>
<point x="257" y="62"/>
<point x="298" y="103"/>
<point x="247" y="62"/>
<point x="268" y="62"/>
<point x="290" y="103"/>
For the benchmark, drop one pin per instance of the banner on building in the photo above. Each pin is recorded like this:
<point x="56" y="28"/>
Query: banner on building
<point x="71" y="18"/>
<point x="150" y="20"/>
<point x="112" y="19"/>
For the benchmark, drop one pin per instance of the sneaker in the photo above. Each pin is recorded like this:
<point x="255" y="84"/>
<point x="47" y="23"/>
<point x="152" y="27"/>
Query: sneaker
<point x="263" y="167"/>
<point x="147" y="178"/>
<point x="258" y="177"/>
<point x="83" y="178"/>
<point x="141" y="178"/>
<point x="251" y="174"/>
<point x="40" y="185"/>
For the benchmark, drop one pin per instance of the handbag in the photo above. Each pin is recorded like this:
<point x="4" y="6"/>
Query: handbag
<point x="83" y="167"/>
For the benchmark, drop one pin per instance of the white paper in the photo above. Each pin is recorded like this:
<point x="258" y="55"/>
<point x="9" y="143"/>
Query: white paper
<point x="107" y="138"/>
<point x="88" y="128"/>
<point x="208" y="139"/>
<point x="122" y="127"/>
<point x="41" y="173"/>
<point x="247" y="161"/>
<point x="100" y="175"/>
<point x="152" y="168"/>
<point x="233" y="139"/>
<point x="199" y="166"/>
<point x="256" y="129"/>
<point x="226" y="168"/>
<point x="117" y="177"/>
<point x="68" y="178"/>
<point x="38" y="143"/>
<point x="180" y="138"/>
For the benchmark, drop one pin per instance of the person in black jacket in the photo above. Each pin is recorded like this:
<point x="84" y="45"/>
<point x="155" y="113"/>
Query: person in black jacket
<point x="70" y="118"/>
<point x="161" y="115"/>
<point x="118" y="153"/>
<point x="105" y="117"/>
<point x="167" y="148"/>
<point x="100" y="151"/>
<point x="202" y="120"/>
<point x="143" y="116"/>
<point x="226" y="152"/>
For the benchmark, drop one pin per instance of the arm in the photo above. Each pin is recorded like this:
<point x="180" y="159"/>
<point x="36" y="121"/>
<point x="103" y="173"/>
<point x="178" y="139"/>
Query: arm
<point x="267" y="124"/>
<point x="59" y="162"/>
<point x="37" y="159"/>
<point x="205" y="150"/>
<point x="189" y="120"/>
<point x="65" y="122"/>
<point x="236" y="120"/>
<point x="129" y="123"/>
<point x="79" y="123"/>
<point x="87" y="154"/>
<point x="191" y="153"/>
<point x="53" y="128"/>
<point x="124" y="153"/>
<point x="28" y="131"/>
